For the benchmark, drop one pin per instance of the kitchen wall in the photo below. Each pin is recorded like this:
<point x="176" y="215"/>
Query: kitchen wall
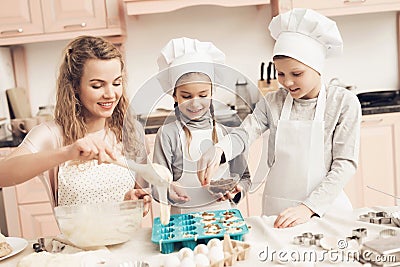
<point x="369" y="60"/>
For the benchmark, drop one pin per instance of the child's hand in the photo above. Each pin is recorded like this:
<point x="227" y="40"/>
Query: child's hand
<point x="231" y="194"/>
<point x="208" y="164"/>
<point x="177" y="194"/>
<point x="136" y="194"/>
<point x="88" y="148"/>
<point x="293" y="216"/>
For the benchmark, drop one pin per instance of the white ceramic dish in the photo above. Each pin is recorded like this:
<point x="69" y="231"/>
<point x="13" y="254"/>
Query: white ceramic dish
<point x="18" y="244"/>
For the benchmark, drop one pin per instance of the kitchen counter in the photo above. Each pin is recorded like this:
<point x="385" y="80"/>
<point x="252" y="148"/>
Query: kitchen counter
<point x="380" y="109"/>
<point x="266" y="242"/>
<point x="10" y="141"/>
<point x="153" y="121"/>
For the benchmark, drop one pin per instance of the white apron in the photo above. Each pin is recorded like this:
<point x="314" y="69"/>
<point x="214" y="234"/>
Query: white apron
<point x="89" y="182"/>
<point x="299" y="160"/>
<point x="200" y="199"/>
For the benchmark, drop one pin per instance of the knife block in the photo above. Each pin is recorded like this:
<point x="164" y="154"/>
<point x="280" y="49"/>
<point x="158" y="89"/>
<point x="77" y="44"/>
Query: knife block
<point x="265" y="87"/>
<point x="262" y="83"/>
<point x="275" y="84"/>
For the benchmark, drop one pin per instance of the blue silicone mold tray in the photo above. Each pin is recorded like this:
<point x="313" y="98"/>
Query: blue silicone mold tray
<point x="188" y="230"/>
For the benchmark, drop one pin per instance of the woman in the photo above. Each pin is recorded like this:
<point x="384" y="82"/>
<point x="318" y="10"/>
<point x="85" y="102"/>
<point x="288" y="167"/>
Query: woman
<point x="90" y="110"/>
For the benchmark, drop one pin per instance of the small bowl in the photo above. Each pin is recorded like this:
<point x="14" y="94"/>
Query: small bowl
<point x="223" y="185"/>
<point x="100" y="224"/>
<point x="395" y="216"/>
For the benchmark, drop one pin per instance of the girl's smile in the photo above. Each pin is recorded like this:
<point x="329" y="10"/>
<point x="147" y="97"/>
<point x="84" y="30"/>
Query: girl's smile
<point x="193" y="99"/>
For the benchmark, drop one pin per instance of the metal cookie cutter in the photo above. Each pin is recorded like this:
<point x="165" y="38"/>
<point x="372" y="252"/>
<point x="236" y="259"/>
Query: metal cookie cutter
<point x="387" y="233"/>
<point x="317" y="238"/>
<point x="298" y="240"/>
<point x="308" y="239"/>
<point x="381" y="220"/>
<point x="358" y="235"/>
<point x="360" y="232"/>
<point x="380" y="217"/>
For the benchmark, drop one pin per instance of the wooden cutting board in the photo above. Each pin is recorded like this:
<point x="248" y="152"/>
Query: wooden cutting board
<point x="18" y="102"/>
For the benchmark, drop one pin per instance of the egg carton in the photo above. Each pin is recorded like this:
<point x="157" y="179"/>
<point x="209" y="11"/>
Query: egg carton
<point x="188" y="230"/>
<point x="234" y="251"/>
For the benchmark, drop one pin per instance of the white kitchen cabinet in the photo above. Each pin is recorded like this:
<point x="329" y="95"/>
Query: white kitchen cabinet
<point x="379" y="162"/>
<point x="141" y="7"/>
<point x="342" y="7"/>
<point x="21" y="18"/>
<point x="28" y="209"/>
<point x="48" y="20"/>
<point x="73" y="15"/>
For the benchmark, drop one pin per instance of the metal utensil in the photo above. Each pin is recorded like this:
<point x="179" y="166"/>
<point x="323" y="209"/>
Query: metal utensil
<point x="262" y="71"/>
<point x="269" y="72"/>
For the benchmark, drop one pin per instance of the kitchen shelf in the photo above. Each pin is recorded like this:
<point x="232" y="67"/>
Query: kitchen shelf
<point x="142" y="7"/>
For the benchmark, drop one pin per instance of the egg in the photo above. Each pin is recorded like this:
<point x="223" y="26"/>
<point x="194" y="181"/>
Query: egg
<point x="172" y="261"/>
<point x="216" y="254"/>
<point x="185" y="253"/>
<point x="201" y="249"/>
<point x="201" y="260"/>
<point x="188" y="262"/>
<point x="213" y="243"/>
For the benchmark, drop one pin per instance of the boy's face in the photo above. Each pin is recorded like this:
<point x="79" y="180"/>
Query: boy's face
<point x="193" y="99"/>
<point x="299" y="79"/>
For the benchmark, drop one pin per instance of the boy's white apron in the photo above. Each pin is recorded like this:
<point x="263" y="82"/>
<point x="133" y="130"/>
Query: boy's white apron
<point x="90" y="182"/>
<point x="299" y="161"/>
<point x="200" y="199"/>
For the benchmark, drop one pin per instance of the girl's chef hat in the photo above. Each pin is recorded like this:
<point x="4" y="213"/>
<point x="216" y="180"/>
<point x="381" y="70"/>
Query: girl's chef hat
<point x="184" y="55"/>
<point x="306" y="36"/>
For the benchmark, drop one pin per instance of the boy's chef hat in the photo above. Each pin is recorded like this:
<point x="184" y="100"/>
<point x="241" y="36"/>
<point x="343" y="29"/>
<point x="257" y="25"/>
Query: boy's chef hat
<point x="306" y="36"/>
<point x="184" y="55"/>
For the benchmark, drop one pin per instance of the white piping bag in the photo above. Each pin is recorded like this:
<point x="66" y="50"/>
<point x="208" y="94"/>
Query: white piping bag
<point x="155" y="174"/>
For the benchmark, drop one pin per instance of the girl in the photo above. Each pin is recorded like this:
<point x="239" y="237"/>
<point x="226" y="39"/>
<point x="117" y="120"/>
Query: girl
<point x="314" y="131"/>
<point x="90" y="109"/>
<point x="179" y="144"/>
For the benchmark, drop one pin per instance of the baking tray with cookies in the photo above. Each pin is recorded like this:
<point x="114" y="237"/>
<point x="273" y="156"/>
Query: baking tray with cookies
<point x="188" y="230"/>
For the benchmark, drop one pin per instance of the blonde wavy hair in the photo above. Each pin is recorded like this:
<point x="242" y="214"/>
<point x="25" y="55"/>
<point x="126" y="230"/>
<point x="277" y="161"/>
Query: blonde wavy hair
<point x="68" y="108"/>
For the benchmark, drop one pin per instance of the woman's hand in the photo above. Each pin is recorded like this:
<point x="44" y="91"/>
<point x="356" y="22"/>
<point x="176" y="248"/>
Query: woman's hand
<point x="293" y="216"/>
<point x="208" y="164"/>
<point x="88" y="148"/>
<point x="232" y="193"/>
<point x="136" y="194"/>
<point x="177" y="194"/>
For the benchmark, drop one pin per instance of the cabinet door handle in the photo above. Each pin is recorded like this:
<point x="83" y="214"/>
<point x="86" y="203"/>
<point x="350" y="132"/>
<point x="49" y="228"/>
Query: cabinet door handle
<point x="353" y="1"/>
<point x="20" y="30"/>
<point x="372" y="121"/>
<point x="80" y="25"/>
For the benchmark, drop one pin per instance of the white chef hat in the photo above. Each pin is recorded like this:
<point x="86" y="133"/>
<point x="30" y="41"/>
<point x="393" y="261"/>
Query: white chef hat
<point x="184" y="55"/>
<point x="306" y="36"/>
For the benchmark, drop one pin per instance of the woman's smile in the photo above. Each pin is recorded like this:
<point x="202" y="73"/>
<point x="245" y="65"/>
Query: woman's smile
<point x="106" y="105"/>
